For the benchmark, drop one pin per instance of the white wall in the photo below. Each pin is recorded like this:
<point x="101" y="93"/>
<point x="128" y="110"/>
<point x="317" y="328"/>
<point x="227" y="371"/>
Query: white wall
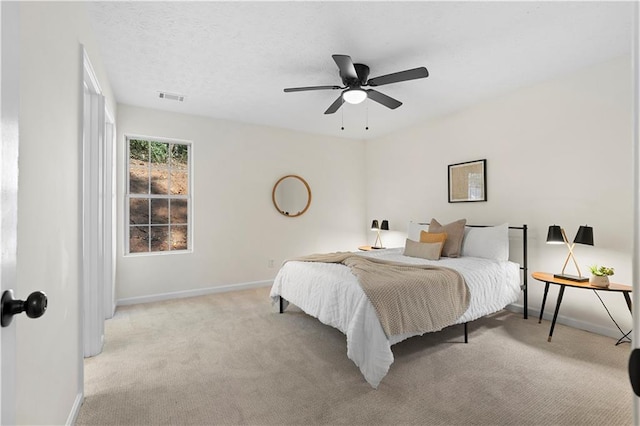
<point x="236" y="227"/>
<point x="49" y="366"/>
<point x="557" y="153"/>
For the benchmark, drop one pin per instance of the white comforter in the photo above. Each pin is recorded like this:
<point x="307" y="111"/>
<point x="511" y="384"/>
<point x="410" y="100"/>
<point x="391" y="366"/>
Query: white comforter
<point x="331" y="293"/>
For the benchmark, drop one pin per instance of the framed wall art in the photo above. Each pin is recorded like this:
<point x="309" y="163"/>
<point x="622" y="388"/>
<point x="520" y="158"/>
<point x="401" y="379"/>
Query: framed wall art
<point x="468" y="181"/>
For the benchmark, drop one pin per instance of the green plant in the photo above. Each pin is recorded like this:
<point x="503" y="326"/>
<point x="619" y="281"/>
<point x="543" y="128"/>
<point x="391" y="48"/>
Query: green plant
<point x="158" y="152"/>
<point x="139" y="150"/>
<point x="601" y="270"/>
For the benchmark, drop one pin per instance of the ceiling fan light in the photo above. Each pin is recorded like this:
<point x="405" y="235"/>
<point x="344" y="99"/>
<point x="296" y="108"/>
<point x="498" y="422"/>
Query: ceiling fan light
<point x="354" y="96"/>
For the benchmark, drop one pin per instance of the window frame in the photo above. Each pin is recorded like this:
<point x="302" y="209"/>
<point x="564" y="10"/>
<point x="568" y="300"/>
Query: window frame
<point x="128" y="196"/>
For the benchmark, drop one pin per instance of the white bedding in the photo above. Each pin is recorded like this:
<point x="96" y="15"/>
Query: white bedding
<point x="331" y="293"/>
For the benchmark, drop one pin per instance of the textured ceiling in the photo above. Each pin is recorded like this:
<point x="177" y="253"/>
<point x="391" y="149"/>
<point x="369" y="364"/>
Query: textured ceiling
<point x="232" y="60"/>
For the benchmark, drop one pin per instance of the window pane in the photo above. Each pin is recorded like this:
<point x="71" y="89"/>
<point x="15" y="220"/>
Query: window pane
<point x="179" y="156"/>
<point x="159" y="179"/>
<point x="139" y="211"/>
<point x="159" y="211"/>
<point x="138" y="180"/>
<point x="179" y="212"/>
<point x="138" y="239"/>
<point x="159" y="152"/>
<point x="179" y="238"/>
<point x="159" y="238"/>
<point x="179" y="182"/>
<point x="136" y="162"/>
<point x="138" y="150"/>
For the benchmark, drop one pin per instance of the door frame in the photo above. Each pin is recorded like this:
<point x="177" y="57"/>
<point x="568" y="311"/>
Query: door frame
<point x="98" y="228"/>
<point x="109" y="229"/>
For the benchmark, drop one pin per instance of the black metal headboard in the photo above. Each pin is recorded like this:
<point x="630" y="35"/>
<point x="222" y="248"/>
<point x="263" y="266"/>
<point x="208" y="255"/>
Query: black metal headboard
<point x="523" y="266"/>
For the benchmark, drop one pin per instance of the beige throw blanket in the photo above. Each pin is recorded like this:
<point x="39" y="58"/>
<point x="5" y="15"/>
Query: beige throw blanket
<point x="407" y="298"/>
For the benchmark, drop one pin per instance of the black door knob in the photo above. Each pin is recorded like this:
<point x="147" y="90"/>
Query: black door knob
<point x="634" y="371"/>
<point x="34" y="306"/>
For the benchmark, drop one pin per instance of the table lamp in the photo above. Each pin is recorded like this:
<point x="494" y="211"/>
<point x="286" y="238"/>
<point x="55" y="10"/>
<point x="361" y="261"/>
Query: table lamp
<point x="556" y="235"/>
<point x="375" y="227"/>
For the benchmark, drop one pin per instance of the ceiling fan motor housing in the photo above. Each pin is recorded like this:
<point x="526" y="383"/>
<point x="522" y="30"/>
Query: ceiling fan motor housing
<point x="363" y="75"/>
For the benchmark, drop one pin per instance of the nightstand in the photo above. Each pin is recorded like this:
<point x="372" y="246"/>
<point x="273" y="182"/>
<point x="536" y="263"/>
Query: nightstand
<point x="548" y="278"/>
<point x="369" y="248"/>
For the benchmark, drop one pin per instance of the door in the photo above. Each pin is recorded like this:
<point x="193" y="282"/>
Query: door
<point x="9" y="97"/>
<point x="634" y="362"/>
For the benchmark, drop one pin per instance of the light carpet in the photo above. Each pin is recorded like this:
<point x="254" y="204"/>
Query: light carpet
<point x="230" y="358"/>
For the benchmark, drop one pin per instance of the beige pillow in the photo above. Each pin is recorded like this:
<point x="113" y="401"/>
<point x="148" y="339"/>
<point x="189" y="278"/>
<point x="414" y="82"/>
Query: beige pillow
<point x="431" y="237"/>
<point x="429" y="251"/>
<point x="455" y="234"/>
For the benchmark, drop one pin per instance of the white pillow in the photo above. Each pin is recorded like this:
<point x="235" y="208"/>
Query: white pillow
<point x="414" y="228"/>
<point x="490" y="243"/>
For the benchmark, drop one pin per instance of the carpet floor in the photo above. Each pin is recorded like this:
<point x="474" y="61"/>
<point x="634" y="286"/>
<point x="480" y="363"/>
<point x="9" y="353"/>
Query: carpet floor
<point x="230" y="358"/>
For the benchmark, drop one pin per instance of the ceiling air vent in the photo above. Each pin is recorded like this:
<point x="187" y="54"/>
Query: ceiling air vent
<point x="171" y="96"/>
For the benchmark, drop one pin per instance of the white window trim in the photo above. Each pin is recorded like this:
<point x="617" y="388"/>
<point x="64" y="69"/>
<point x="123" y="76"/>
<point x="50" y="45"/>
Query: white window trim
<point x="188" y="197"/>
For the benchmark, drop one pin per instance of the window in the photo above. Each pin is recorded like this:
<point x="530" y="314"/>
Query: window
<point x="158" y="196"/>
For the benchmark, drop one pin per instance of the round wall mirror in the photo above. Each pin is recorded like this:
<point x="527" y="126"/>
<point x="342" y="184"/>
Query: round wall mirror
<point x="291" y="196"/>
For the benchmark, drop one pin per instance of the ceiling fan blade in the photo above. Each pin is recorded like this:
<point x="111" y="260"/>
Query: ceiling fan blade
<point x="303" y="89"/>
<point x="383" y="99"/>
<point x="399" y="76"/>
<point x="347" y="70"/>
<point x="335" y="105"/>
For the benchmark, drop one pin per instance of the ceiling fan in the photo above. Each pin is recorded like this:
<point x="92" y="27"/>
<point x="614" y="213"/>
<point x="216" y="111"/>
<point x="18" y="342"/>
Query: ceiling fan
<point x="355" y="77"/>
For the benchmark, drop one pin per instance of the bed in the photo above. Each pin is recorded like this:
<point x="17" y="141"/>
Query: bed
<point x="332" y="293"/>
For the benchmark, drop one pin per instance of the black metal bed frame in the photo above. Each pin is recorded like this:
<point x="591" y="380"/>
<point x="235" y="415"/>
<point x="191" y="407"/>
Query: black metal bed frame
<point x="523" y="268"/>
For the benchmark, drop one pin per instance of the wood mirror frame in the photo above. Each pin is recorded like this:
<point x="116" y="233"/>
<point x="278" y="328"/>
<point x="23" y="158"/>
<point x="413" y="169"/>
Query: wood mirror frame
<point x="286" y="210"/>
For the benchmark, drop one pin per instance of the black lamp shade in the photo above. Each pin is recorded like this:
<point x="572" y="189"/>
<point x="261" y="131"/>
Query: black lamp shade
<point x="385" y="225"/>
<point x="554" y="236"/>
<point x="584" y="236"/>
<point x="374" y="225"/>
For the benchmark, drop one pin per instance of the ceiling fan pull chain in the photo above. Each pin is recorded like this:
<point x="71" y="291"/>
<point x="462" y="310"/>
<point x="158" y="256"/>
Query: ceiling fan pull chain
<point x="342" y="113"/>
<point x="367" y="117"/>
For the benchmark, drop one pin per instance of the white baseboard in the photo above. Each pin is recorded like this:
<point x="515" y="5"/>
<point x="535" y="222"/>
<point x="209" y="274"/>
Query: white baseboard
<point x="193" y="293"/>
<point x="534" y="314"/>
<point x="75" y="410"/>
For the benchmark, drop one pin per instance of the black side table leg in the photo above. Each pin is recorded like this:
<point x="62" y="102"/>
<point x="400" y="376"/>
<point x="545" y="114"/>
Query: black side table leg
<point x="555" y="314"/>
<point x="625" y="338"/>
<point x="627" y="298"/>
<point x="544" y="301"/>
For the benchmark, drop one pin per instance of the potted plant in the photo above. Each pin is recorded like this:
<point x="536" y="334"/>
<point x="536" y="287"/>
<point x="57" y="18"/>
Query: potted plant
<point x="600" y="275"/>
